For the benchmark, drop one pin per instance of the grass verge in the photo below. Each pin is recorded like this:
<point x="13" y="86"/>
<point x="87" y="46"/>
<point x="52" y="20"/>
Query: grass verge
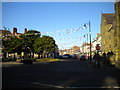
<point x="46" y="60"/>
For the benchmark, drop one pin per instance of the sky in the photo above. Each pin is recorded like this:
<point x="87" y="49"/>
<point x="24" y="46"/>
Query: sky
<point x="61" y="20"/>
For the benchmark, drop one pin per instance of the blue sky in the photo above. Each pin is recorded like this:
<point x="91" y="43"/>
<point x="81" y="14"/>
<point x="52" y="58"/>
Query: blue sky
<point x="54" y="17"/>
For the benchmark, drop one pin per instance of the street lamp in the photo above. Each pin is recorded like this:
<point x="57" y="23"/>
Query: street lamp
<point x="89" y="37"/>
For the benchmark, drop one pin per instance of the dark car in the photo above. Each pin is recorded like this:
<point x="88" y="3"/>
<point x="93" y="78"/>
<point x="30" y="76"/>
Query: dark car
<point x="75" y="56"/>
<point x="65" y="56"/>
<point x="82" y="57"/>
<point x="58" y="56"/>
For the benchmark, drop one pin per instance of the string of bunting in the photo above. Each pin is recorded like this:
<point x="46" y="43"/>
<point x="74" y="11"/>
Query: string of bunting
<point x="69" y="43"/>
<point x="84" y="36"/>
<point x="68" y="38"/>
<point x="78" y="40"/>
<point x="67" y="31"/>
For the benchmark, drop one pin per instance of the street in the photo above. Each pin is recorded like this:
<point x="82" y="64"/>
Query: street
<point x="71" y="73"/>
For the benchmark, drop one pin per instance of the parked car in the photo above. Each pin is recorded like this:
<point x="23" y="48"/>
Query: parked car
<point x="58" y="56"/>
<point x="65" y="56"/>
<point x="82" y="57"/>
<point x="75" y="56"/>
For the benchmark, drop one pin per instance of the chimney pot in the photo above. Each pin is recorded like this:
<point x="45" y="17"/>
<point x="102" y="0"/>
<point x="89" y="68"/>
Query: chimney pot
<point x="25" y="30"/>
<point x="14" y="30"/>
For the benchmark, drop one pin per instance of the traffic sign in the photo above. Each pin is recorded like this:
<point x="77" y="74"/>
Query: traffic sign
<point x="98" y="47"/>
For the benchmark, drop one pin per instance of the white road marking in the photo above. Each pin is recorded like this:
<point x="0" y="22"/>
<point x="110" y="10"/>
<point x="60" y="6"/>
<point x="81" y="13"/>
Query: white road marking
<point x="47" y="85"/>
<point x="97" y="87"/>
<point x="117" y="87"/>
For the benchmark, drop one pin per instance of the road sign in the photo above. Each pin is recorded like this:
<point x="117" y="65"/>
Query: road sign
<point x="98" y="47"/>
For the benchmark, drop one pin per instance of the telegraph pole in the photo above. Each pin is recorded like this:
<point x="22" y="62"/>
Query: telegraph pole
<point x="90" y="40"/>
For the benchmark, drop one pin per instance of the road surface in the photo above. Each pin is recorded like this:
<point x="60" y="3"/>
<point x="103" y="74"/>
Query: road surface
<point x="69" y="73"/>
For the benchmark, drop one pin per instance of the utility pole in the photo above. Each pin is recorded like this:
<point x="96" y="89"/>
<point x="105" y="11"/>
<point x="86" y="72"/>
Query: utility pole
<point x="90" y="40"/>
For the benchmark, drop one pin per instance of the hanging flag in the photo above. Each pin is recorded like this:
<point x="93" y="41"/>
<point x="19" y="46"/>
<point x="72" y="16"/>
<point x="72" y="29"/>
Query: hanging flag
<point x="84" y="36"/>
<point x="85" y="26"/>
<point x="77" y="29"/>
<point x="68" y="31"/>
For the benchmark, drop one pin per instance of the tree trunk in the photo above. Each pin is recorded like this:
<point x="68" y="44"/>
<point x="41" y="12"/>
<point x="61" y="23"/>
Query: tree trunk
<point x="39" y="55"/>
<point x="33" y="55"/>
<point x="4" y="55"/>
<point x="30" y="55"/>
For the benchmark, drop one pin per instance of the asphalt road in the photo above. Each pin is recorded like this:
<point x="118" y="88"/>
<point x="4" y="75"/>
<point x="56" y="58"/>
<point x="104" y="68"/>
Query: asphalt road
<point x="71" y="73"/>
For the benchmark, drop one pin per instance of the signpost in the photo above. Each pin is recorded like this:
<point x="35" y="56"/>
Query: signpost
<point x="98" y="48"/>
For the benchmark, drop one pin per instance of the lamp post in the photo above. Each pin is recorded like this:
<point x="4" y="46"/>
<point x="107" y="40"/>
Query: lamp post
<point x="90" y="39"/>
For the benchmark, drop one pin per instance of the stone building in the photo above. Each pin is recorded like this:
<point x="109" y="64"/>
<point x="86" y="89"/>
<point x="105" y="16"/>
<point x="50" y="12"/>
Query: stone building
<point x="107" y="32"/>
<point x="117" y="33"/>
<point x="110" y="34"/>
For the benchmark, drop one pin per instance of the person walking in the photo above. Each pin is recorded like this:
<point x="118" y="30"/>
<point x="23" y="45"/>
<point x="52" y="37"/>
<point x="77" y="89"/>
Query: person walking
<point x="104" y="57"/>
<point x="97" y="59"/>
<point x="108" y="58"/>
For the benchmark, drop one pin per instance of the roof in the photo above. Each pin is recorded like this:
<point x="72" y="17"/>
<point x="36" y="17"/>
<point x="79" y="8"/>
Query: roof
<point x="109" y="17"/>
<point x="5" y="32"/>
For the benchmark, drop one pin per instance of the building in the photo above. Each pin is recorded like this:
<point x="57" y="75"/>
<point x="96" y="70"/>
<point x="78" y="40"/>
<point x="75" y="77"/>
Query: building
<point x="95" y="42"/>
<point x="107" y="32"/>
<point x="15" y="33"/>
<point x="75" y="50"/>
<point x="110" y="34"/>
<point x="85" y="48"/>
<point x="4" y="34"/>
<point x="71" y="51"/>
<point x="117" y="33"/>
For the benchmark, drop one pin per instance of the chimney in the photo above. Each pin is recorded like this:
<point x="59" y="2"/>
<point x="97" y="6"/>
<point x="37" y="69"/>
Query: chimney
<point x="25" y="30"/>
<point x="14" y="30"/>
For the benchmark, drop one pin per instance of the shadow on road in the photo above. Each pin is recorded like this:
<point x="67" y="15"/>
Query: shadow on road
<point x="59" y="74"/>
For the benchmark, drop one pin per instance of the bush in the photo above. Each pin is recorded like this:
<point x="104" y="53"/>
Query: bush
<point x="4" y="59"/>
<point x="28" y="61"/>
<point x="12" y="59"/>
